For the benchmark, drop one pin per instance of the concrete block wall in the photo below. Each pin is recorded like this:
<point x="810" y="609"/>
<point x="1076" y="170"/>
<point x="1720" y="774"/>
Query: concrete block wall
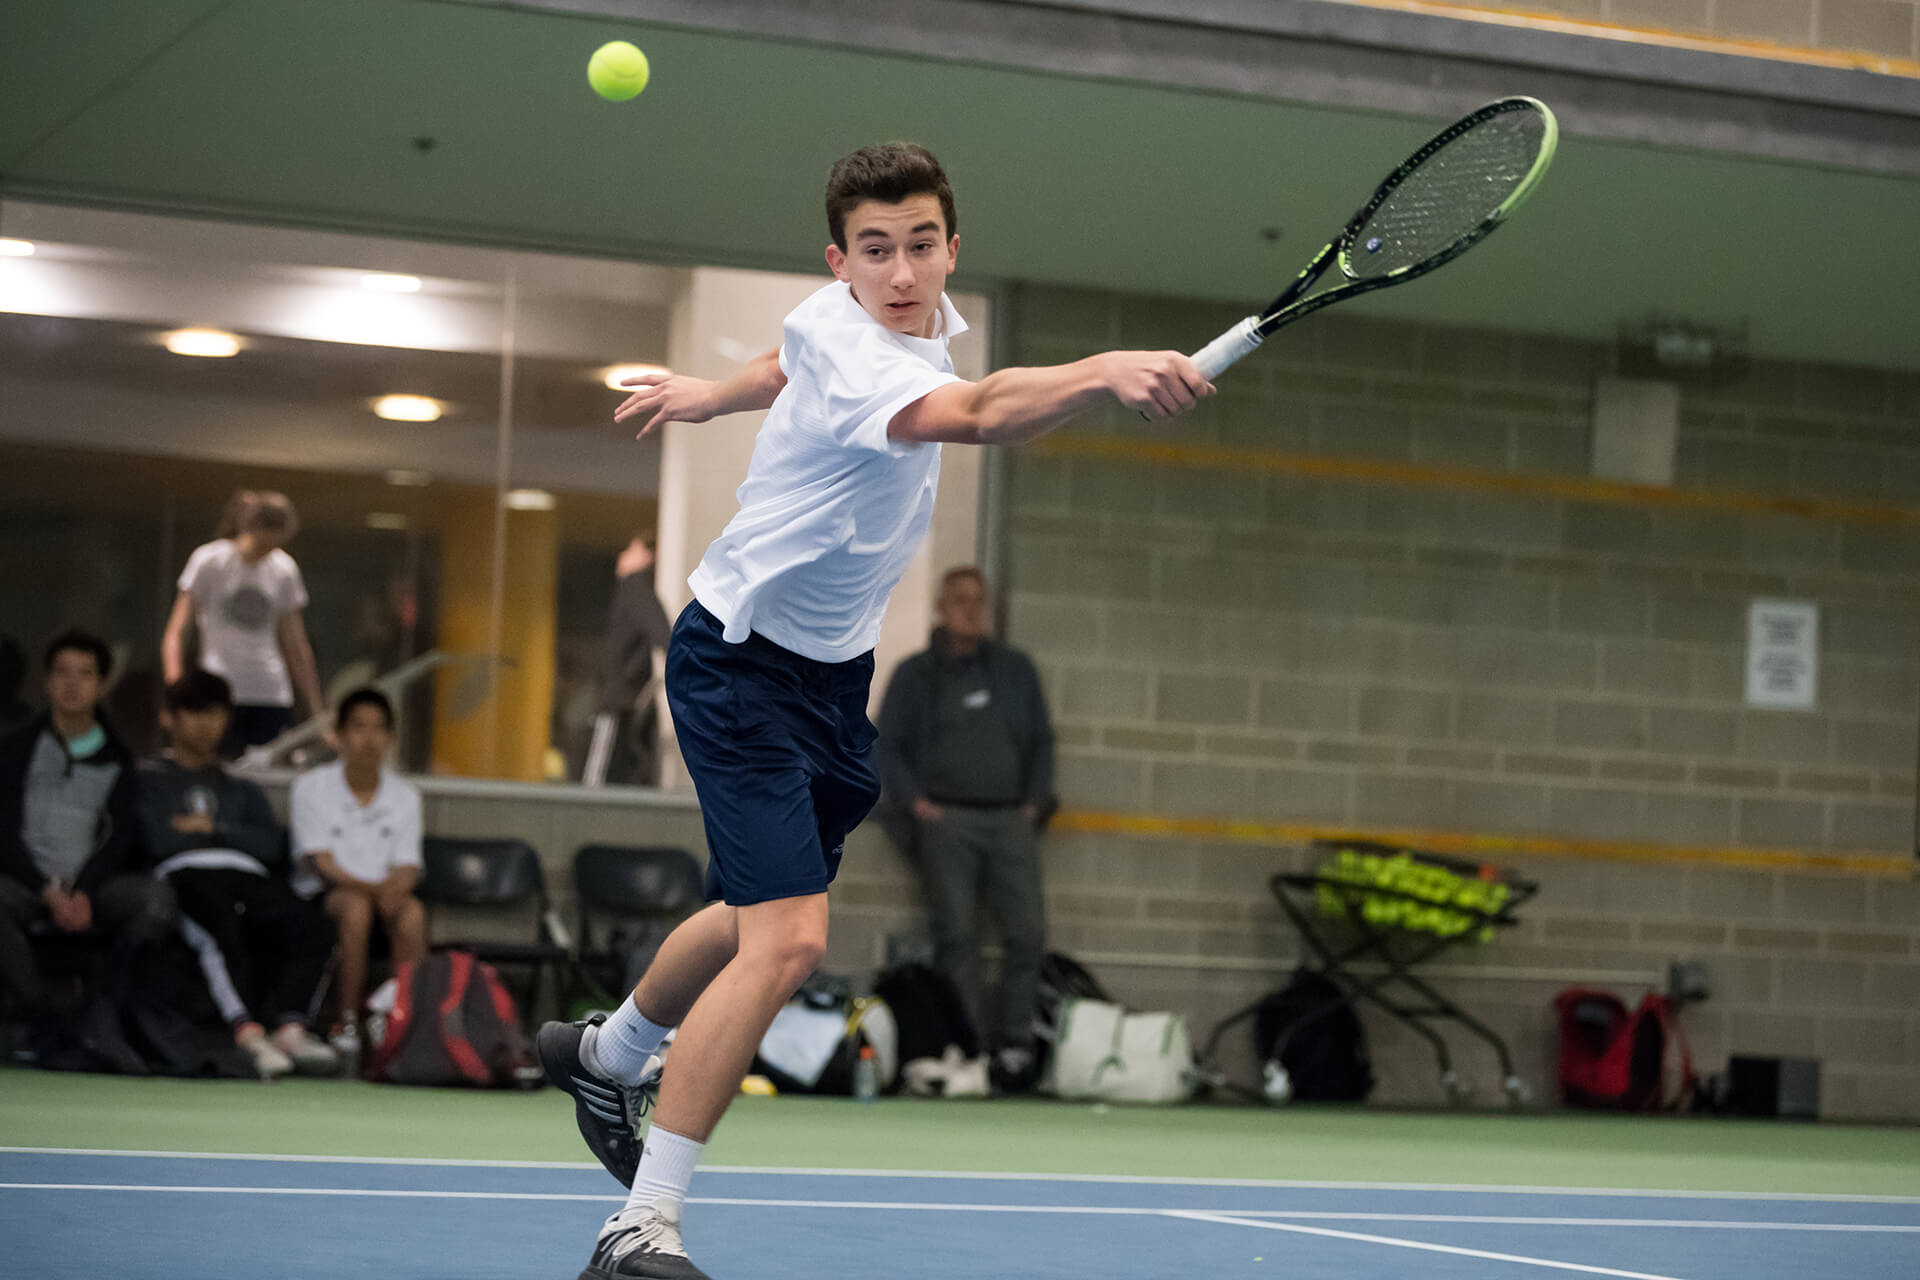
<point x="1252" y="644"/>
<point x="1887" y="27"/>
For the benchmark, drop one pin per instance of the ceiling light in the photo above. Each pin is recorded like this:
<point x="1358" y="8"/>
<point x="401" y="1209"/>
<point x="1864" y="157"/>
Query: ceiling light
<point x="382" y="282"/>
<point x="16" y="248"/>
<point x="528" y="500"/>
<point x="215" y="344"/>
<point x="404" y="479"/>
<point x="612" y="376"/>
<point x="408" y="408"/>
<point x="386" y="520"/>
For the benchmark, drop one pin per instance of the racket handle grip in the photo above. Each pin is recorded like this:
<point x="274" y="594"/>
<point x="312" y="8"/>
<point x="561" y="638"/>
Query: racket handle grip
<point x="1217" y="356"/>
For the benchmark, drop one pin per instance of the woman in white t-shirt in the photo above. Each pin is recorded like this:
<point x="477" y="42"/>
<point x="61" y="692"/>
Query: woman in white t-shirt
<point x="243" y="594"/>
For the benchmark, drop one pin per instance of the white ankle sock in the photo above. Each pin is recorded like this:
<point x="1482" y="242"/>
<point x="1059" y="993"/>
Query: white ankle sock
<point x="666" y="1167"/>
<point x="619" y="1047"/>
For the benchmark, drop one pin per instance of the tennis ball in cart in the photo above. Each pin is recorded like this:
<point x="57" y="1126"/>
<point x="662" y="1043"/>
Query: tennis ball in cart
<point x="618" y="71"/>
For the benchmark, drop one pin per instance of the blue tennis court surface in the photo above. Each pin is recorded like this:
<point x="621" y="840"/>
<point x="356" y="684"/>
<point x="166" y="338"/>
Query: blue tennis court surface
<point x="92" y="1214"/>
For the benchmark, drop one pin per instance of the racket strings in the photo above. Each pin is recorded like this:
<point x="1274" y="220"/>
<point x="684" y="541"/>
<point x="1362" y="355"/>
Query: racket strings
<point x="1448" y="196"/>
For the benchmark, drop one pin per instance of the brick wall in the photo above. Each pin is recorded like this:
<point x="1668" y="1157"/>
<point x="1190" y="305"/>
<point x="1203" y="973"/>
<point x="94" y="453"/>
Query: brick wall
<point x="1887" y="27"/>
<point x="1252" y="644"/>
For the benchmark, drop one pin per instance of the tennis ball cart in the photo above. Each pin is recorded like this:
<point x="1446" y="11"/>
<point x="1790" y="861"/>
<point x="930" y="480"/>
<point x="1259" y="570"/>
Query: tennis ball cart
<point x="1369" y="915"/>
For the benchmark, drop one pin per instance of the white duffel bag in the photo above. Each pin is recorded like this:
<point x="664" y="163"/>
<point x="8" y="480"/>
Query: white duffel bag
<point x="1102" y="1053"/>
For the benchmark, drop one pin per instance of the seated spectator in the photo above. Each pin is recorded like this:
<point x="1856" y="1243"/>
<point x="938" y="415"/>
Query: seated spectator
<point x="356" y="839"/>
<point x="262" y="948"/>
<point x="67" y="860"/>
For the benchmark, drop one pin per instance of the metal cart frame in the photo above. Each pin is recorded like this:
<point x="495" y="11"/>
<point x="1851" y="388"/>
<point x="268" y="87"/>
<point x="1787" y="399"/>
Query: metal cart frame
<point x="1400" y="950"/>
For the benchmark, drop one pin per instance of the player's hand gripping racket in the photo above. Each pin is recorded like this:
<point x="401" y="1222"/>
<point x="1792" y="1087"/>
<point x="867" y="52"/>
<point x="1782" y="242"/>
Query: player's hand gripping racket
<point x="1447" y="197"/>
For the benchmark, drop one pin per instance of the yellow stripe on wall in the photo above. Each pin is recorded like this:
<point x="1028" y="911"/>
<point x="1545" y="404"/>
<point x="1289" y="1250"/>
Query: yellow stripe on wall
<point x="1531" y="484"/>
<point x="1486" y="847"/>
<point x="1536" y="21"/>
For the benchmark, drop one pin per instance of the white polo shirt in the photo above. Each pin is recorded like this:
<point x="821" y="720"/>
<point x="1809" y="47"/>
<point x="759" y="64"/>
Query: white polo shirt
<point x="831" y="510"/>
<point x="366" y="841"/>
<point x="237" y="607"/>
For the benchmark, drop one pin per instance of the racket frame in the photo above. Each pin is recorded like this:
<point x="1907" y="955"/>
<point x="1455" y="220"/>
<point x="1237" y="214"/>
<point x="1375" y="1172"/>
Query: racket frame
<point x="1238" y="341"/>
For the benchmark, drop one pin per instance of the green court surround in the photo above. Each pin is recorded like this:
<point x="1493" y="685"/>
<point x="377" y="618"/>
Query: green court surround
<point x="335" y="1118"/>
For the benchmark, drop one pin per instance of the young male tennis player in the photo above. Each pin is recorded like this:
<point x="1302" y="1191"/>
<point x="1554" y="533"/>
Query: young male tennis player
<point x="769" y="666"/>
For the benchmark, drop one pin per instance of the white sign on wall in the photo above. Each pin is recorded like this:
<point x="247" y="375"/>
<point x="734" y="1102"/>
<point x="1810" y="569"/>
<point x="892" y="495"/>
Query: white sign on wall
<point x="1783" y="654"/>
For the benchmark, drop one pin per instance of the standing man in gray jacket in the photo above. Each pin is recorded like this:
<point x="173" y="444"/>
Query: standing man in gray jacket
<point x="966" y="750"/>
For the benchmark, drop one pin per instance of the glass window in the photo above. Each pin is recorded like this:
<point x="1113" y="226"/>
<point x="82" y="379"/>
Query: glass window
<point x="438" y="419"/>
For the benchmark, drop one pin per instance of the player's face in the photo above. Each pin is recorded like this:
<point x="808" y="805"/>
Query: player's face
<point x="897" y="259"/>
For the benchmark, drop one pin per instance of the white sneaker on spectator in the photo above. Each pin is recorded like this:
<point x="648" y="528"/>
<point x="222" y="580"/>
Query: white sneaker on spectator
<point x="268" y="1061"/>
<point x="310" y="1055"/>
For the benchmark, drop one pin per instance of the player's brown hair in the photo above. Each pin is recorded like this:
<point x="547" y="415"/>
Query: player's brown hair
<point x="888" y="173"/>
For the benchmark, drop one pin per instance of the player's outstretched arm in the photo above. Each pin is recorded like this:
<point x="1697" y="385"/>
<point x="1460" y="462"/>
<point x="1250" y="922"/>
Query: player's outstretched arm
<point x="1013" y="406"/>
<point x="672" y="397"/>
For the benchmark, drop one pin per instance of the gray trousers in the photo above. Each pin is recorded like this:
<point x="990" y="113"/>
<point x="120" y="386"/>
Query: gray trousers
<point x="975" y="859"/>
<point x="132" y="910"/>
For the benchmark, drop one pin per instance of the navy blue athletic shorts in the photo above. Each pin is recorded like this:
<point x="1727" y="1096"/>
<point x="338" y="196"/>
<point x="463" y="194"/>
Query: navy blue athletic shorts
<point x="781" y="753"/>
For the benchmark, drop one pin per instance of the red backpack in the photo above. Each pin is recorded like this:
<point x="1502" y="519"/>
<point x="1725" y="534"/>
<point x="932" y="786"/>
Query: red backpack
<point x="1621" y="1061"/>
<point x="453" y="1023"/>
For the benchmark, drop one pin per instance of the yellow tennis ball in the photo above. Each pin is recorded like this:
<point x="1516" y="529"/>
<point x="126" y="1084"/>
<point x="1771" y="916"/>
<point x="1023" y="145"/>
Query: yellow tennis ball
<point x="618" y="71"/>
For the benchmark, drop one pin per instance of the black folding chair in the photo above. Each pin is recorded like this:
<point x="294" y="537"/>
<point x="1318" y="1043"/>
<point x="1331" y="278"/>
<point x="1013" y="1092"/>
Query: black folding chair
<point x="1400" y="907"/>
<point x="498" y="880"/>
<point x="650" y="888"/>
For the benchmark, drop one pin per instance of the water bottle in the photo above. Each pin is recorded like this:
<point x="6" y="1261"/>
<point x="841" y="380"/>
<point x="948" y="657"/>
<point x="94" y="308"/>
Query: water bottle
<point x="347" y="1045"/>
<point x="866" y="1076"/>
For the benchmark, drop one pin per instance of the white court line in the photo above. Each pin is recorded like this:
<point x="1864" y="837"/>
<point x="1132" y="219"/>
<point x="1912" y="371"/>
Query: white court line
<point x="428" y="1161"/>
<point x="1122" y="1179"/>
<point x="1548" y="1263"/>
<point x="1243" y="1217"/>
<point x="1491" y="1220"/>
<point x="388" y="1193"/>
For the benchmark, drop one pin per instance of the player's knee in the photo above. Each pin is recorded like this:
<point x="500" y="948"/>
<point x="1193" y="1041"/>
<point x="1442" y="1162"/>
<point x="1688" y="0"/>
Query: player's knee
<point x="797" y="956"/>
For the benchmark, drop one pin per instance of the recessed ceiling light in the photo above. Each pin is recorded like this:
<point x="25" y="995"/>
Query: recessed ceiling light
<point x="612" y="376"/>
<point x="404" y="479"/>
<point x="16" y="248"/>
<point x="386" y="520"/>
<point x="408" y="408"/>
<point x="214" y="344"/>
<point x="383" y="282"/>
<point x="528" y="500"/>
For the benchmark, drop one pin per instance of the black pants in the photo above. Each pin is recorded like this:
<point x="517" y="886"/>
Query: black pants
<point x="976" y="858"/>
<point x="262" y="948"/>
<point x="252" y="725"/>
<point x="129" y="913"/>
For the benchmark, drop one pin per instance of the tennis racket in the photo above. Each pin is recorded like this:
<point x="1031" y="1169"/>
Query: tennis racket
<point x="1447" y="197"/>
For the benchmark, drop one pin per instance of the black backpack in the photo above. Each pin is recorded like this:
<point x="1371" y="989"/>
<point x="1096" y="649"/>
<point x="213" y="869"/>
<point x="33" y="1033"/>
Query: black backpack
<point x="150" y="1014"/>
<point x="928" y="1011"/>
<point x="1318" y="1039"/>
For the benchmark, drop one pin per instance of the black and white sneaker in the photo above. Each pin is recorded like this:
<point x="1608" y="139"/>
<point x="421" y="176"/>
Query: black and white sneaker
<point x="608" y="1112"/>
<point x="642" y="1244"/>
